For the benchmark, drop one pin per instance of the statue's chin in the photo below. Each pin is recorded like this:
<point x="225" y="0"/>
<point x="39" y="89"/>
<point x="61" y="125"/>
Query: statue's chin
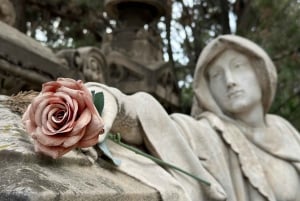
<point x="239" y="105"/>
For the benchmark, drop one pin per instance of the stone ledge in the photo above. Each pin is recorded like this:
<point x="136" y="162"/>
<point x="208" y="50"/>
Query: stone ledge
<point x="28" y="176"/>
<point x="29" y="181"/>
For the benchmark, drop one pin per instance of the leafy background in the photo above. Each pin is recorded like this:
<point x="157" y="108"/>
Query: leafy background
<point x="185" y="30"/>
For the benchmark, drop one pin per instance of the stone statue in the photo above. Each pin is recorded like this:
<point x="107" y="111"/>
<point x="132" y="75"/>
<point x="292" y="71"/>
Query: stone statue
<point x="245" y="153"/>
<point x="7" y="12"/>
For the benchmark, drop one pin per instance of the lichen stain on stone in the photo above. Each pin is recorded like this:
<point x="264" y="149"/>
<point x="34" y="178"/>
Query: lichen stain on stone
<point x="4" y="146"/>
<point x="28" y="177"/>
<point x="6" y="129"/>
<point x="35" y="180"/>
<point x="110" y="184"/>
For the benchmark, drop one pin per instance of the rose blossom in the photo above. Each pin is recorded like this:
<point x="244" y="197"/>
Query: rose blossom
<point x="62" y="117"/>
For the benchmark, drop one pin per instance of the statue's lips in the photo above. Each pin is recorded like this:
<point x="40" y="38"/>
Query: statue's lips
<point x="235" y="93"/>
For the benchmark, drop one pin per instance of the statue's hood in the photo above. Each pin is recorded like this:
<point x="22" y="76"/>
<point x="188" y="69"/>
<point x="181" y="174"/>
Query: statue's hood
<point x="203" y="98"/>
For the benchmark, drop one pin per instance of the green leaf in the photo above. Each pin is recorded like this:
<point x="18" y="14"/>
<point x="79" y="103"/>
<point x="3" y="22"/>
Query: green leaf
<point x="98" y="101"/>
<point x="103" y="147"/>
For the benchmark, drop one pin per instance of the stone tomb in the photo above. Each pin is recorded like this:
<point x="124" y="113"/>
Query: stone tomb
<point x="28" y="176"/>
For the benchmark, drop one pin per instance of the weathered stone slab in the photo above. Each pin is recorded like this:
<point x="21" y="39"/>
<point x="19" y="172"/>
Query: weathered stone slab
<point x="23" y="57"/>
<point x="28" y="176"/>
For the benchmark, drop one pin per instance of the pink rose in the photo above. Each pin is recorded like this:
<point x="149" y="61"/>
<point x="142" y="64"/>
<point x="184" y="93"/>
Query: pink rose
<point x="63" y="117"/>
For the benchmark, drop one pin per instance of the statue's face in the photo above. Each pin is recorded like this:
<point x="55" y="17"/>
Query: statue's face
<point x="233" y="83"/>
<point x="92" y="71"/>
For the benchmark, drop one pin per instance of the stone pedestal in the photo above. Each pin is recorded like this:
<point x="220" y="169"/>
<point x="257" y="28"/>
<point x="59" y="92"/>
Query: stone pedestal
<point x="28" y="176"/>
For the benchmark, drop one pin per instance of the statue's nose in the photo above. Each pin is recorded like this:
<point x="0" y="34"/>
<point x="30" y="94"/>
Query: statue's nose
<point x="229" y="78"/>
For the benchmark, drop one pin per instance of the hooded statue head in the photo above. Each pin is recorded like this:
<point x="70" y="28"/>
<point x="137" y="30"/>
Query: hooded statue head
<point x="259" y="60"/>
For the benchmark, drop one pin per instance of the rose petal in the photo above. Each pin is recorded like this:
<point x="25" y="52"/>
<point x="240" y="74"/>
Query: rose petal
<point x="36" y="102"/>
<point x="42" y="96"/>
<point x="65" y="97"/>
<point x="26" y="115"/>
<point x="90" y="103"/>
<point x="70" y="122"/>
<point x="72" y="105"/>
<point x="48" y="140"/>
<point x="41" y="106"/>
<point x="88" y="97"/>
<point x="52" y="127"/>
<point x="29" y="126"/>
<point x="55" y="152"/>
<point x="75" y="94"/>
<point x="72" y="108"/>
<point x="67" y="82"/>
<point x="88" y="143"/>
<point x="81" y="122"/>
<point x="72" y="140"/>
<point x="47" y="118"/>
<point x="51" y="86"/>
<point x="85" y="90"/>
<point x="94" y="128"/>
<point x="64" y="132"/>
<point x="53" y="112"/>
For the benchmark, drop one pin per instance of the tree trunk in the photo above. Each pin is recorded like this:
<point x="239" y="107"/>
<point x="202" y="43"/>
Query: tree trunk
<point x="224" y="17"/>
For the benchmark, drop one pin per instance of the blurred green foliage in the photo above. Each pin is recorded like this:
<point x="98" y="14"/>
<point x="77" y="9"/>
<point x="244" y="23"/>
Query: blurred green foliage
<point x="277" y="29"/>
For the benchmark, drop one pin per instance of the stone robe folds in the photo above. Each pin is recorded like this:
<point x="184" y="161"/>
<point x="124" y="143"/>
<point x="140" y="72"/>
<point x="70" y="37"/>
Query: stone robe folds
<point x="214" y="150"/>
<point x="215" y="147"/>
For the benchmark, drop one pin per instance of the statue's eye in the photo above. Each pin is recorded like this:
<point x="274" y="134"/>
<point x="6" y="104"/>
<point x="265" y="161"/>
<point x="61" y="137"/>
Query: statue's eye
<point x="238" y="65"/>
<point x="216" y="74"/>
